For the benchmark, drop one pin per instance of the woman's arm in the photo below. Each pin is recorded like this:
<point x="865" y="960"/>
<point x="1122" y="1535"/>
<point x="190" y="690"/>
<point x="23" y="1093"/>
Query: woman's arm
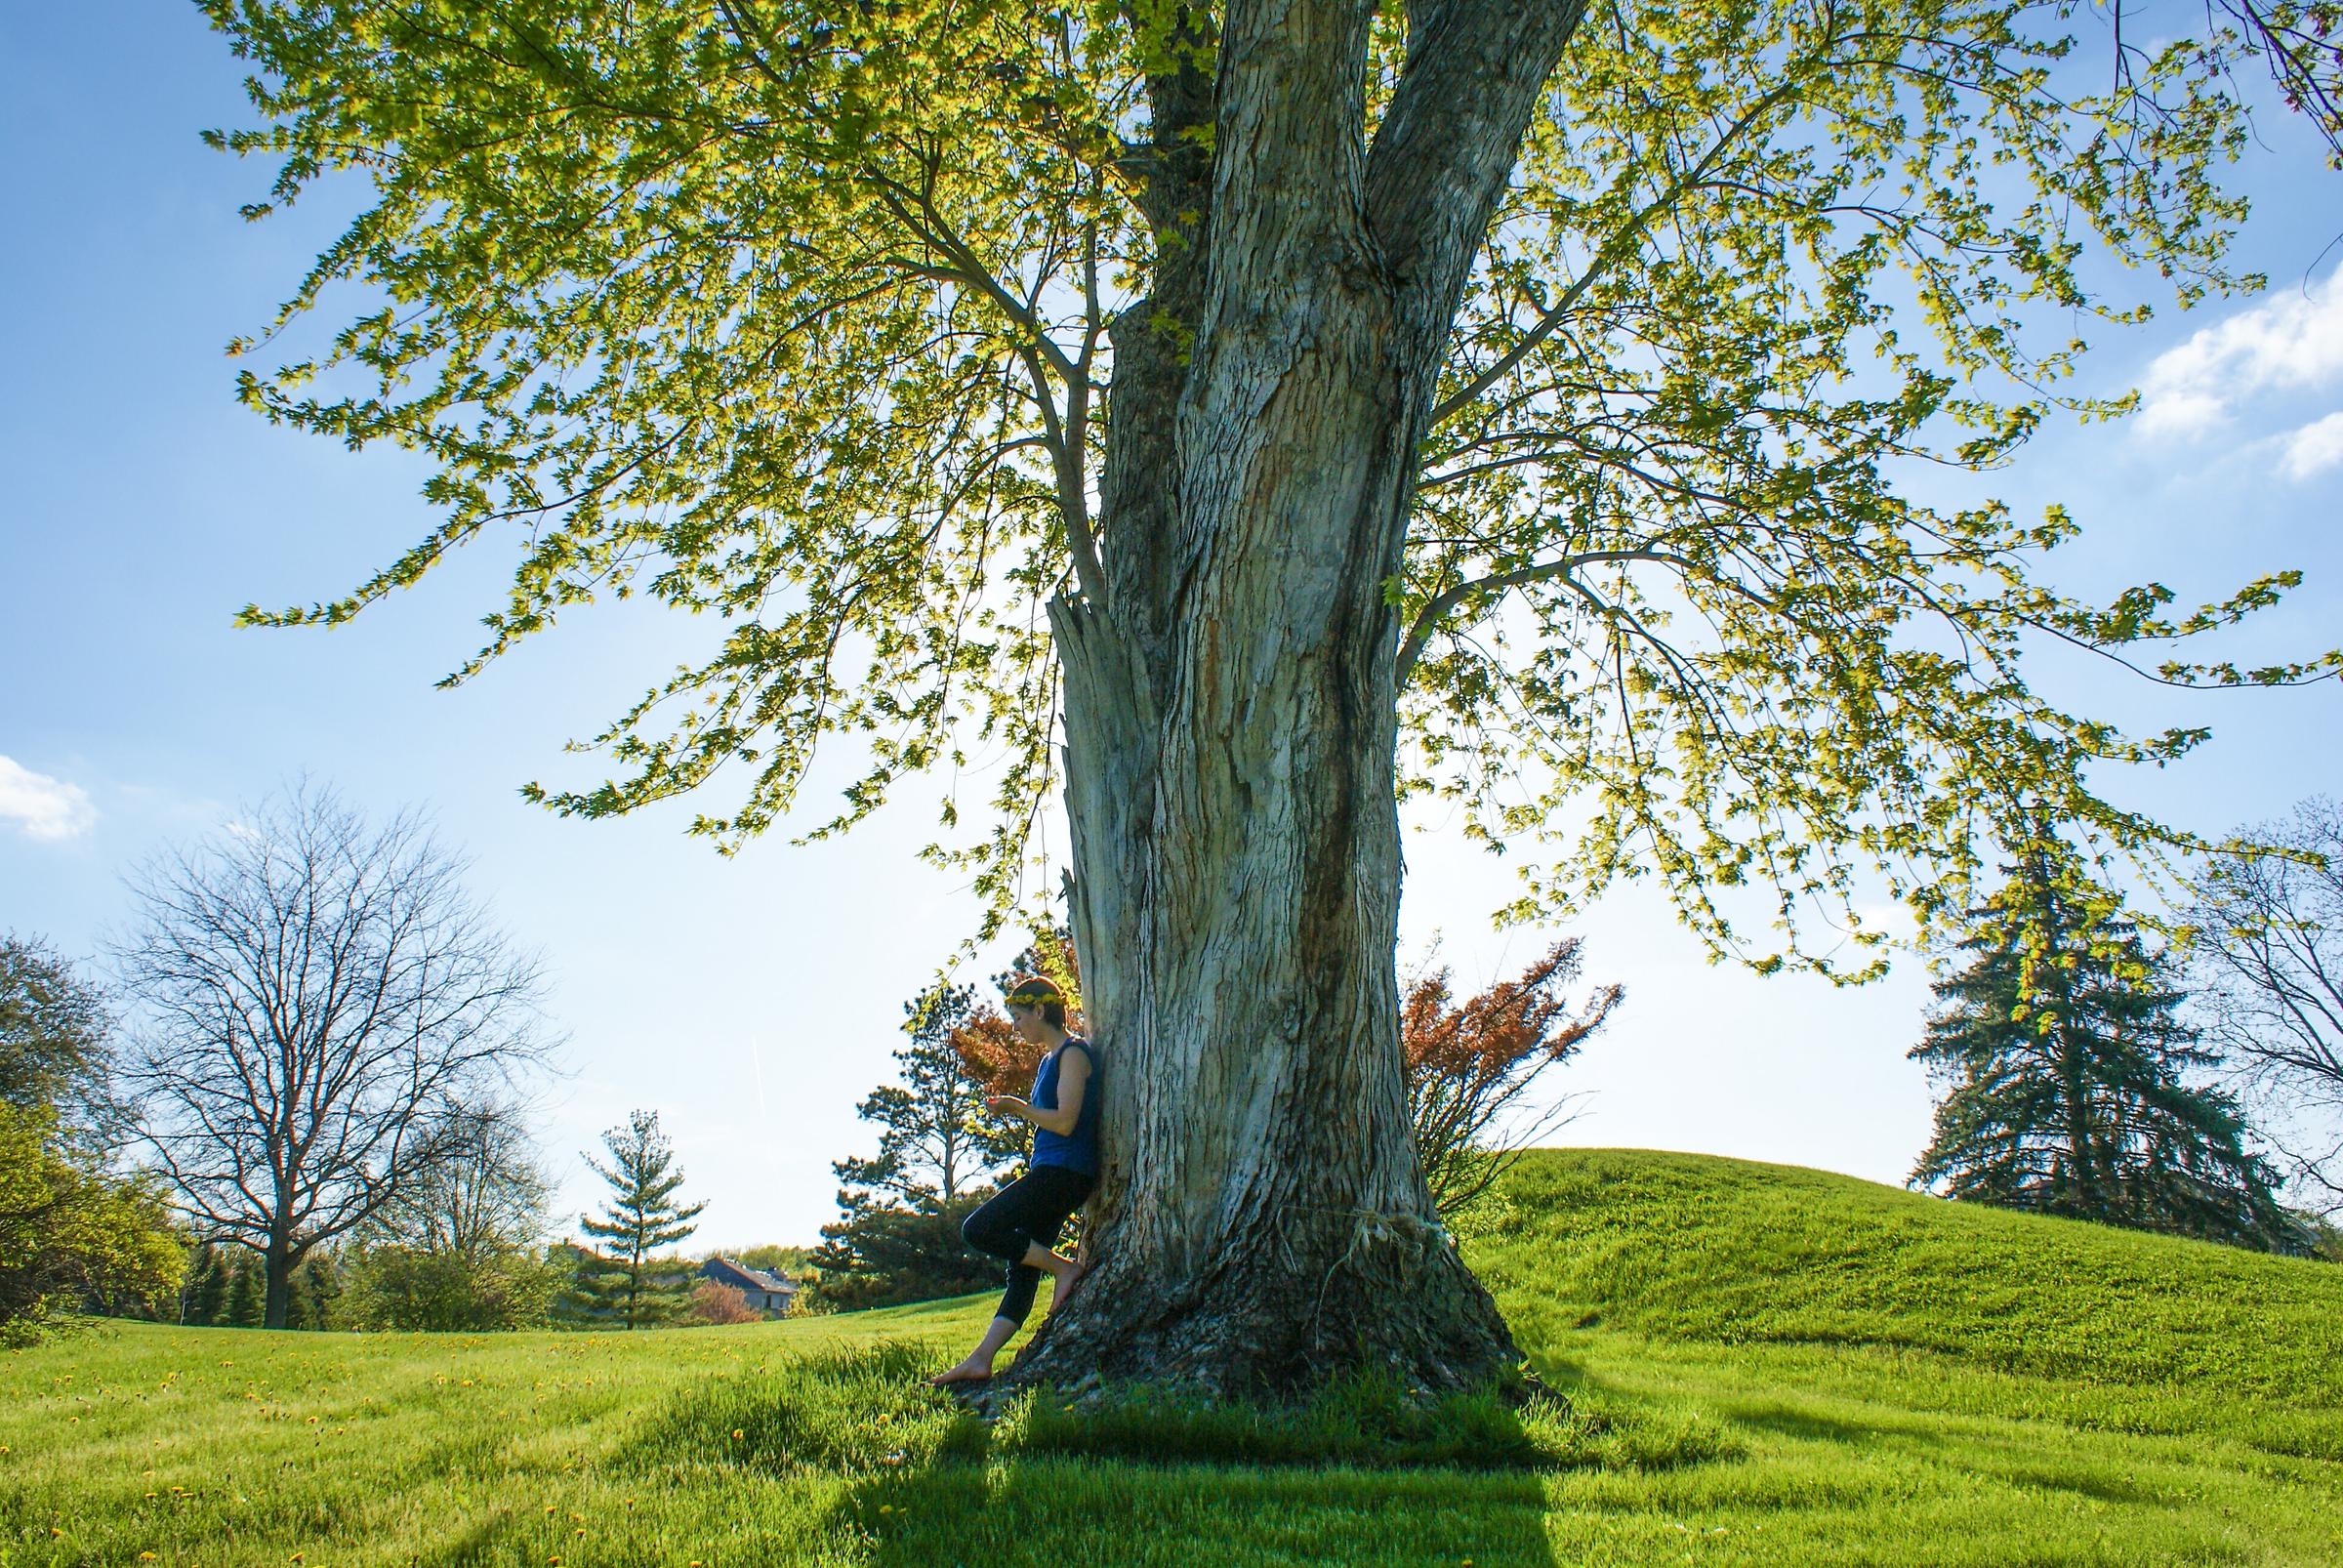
<point x="1073" y="1078"/>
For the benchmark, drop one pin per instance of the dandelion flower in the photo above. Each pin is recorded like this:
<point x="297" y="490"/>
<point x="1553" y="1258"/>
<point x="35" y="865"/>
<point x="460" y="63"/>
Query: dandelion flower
<point x="737" y="1434"/>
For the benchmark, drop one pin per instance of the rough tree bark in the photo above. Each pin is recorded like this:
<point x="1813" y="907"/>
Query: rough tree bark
<point x="1231" y="709"/>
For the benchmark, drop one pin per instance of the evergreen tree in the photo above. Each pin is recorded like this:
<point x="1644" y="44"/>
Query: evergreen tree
<point x="935" y="1140"/>
<point x="2065" y="1061"/>
<point x="626" y="1281"/>
<point x="242" y="1309"/>
<point x="898" y="1236"/>
<point x="312" y="1289"/>
<point x="885" y="1255"/>
<point x="206" y="1299"/>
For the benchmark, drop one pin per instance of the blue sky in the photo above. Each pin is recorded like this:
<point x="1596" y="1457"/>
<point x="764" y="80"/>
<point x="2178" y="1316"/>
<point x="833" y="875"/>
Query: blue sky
<point x="753" y="1000"/>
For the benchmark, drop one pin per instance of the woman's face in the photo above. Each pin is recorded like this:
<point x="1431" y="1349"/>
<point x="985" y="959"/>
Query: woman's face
<point x="1027" y="1021"/>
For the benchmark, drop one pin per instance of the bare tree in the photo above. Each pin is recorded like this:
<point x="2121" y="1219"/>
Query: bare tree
<point x="2269" y="962"/>
<point x="317" y="1000"/>
<point x="485" y="1195"/>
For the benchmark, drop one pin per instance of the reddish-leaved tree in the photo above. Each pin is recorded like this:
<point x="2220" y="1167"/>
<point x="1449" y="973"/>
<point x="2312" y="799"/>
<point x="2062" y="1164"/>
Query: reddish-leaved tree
<point x="1471" y="1063"/>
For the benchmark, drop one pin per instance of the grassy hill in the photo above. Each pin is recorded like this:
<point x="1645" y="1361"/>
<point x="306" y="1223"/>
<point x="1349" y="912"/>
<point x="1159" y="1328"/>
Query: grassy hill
<point x="1767" y="1366"/>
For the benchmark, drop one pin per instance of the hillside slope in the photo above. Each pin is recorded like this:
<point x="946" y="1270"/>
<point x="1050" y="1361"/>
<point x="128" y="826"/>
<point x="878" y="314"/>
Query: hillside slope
<point x="1693" y="1247"/>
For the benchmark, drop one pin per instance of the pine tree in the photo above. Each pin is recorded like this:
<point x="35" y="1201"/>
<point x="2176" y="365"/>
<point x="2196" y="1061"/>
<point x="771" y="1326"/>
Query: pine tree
<point x="885" y="1255"/>
<point x="2065" y="1062"/>
<point x="207" y="1285"/>
<point x="898" y="1236"/>
<point x="311" y="1292"/>
<point x="935" y="1138"/>
<point x="242" y="1309"/>
<point x="626" y="1281"/>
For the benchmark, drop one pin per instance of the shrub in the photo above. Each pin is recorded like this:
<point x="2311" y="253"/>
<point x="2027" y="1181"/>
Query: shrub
<point x="399" y="1287"/>
<point x="718" y="1304"/>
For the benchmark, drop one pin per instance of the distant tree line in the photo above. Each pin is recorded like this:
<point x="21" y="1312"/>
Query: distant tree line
<point x="309" y="1110"/>
<point x="305" y="1108"/>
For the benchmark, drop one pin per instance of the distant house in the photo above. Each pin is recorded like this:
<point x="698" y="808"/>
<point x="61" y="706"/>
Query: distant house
<point x="766" y="1293"/>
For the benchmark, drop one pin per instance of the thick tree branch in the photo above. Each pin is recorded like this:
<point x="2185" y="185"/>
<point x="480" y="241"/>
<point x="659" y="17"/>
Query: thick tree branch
<point x="1451" y="136"/>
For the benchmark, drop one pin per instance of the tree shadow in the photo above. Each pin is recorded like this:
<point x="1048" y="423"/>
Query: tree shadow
<point x="471" y="1545"/>
<point x="1353" y="1475"/>
<point x="2030" y="1471"/>
<point x="1062" y="1507"/>
<point x="1145" y="1477"/>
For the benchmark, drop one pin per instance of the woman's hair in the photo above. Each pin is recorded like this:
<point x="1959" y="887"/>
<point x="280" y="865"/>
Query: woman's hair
<point x="1038" y="991"/>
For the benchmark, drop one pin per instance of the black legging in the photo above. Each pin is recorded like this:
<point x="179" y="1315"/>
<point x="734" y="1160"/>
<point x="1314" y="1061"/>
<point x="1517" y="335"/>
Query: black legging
<point x="1030" y="1209"/>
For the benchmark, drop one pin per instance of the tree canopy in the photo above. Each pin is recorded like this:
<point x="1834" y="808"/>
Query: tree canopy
<point x="55" y="1047"/>
<point x="810" y="316"/>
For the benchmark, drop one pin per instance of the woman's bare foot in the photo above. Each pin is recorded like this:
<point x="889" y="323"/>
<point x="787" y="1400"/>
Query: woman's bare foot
<point x="969" y="1371"/>
<point x="1067" y="1282"/>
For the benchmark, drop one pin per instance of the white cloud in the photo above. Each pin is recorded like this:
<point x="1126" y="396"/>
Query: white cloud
<point x="2292" y="339"/>
<point x="2315" y="448"/>
<point x="43" y="808"/>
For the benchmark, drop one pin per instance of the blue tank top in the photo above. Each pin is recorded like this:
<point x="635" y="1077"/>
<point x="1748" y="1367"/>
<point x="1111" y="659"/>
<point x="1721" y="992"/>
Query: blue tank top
<point x="1077" y="1150"/>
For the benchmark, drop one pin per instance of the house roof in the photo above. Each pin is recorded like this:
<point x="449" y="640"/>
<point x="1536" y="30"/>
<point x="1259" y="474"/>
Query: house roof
<point x="754" y="1278"/>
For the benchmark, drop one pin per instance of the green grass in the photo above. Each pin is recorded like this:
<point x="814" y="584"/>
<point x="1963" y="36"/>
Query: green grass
<point x="1766" y="1366"/>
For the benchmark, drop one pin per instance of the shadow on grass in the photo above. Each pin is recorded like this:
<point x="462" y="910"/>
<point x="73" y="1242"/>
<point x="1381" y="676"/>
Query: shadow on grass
<point x="472" y="1544"/>
<point x="1974" y="1455"/>
<point x="1355" y="1475"/>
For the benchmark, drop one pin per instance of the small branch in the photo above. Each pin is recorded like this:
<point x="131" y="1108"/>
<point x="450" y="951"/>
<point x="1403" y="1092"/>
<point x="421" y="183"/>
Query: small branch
<point x="1559" y="312"/>
<point x="1427" y="619"/>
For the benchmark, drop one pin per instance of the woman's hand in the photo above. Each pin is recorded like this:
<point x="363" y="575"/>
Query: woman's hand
<point x="1008" y="1106"/>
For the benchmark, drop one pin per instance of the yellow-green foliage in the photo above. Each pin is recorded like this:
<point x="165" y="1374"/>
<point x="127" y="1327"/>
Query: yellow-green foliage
<point x="68" y="1229"/>
<point x="1767" y="1366"/>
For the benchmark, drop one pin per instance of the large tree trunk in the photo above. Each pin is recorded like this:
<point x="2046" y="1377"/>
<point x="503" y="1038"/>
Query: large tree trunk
<point x="1231" y="724"/>
<point x="1264" y="1223"/>
<point x="277" y="1270"/>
